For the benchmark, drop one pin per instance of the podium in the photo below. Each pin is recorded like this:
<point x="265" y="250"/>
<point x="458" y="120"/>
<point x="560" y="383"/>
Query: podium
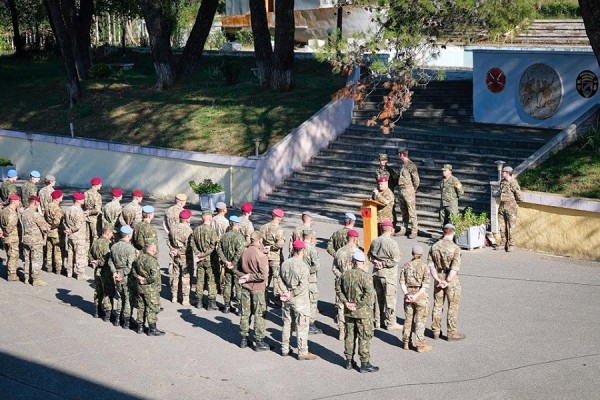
<point x="368" y="212"/>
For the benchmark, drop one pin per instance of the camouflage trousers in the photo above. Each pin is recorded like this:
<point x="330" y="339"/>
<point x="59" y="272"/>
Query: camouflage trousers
<point x="385" y="301"/>
<point x="92" y="230"/>
<point x="77" y="257"/>
<point x="274" y="266"/>
<point x="12" y="256"/>
<point x="104" y="291"/>
<point x="252" y="304"/>
<point x="341" y="311"/>
<point x="418" y="312"/>
<point x="231" y="286"/>
<point x="122" y="296"/>
<point x="180" y="274"/>
<point x="313" y="295"/>
<point x="446" y="212"/>
<point x="452" y="295"/>
<point x="408" y="210"/>
<point x="507" y="223"/>
<point x="54" y="254"/>
<point x="206" y="275"/>
<point x="34" y="258"/>
<point x="148" y="303"/>
<point x="298" y="314"/>
<point x="358" y="330"/>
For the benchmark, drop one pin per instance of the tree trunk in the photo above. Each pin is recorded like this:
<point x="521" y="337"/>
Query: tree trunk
<point x="14" y="17"/>
<point x="283" y="60"/>
<point x="160" y="42"/>
<point x="109" y="29"/>
<point x="194" y="46"/>
<point x="123" y="33"/>
<point x="263" y="52"/>
<point x="83" y="40"/>
<point x="590" y="11"/>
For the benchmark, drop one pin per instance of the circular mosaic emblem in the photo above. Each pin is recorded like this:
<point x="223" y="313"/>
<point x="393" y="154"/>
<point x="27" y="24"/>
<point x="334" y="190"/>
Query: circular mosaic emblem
<point x="495" y="80"/>
<point x="540" y="91"/>
<point x="586" y="84"/>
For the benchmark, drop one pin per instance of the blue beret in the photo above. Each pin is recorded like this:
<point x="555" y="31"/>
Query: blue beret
<point x="35" y="174"/>
<point x="234" y="218"/>
<point x="11" y="173"/>
<point x="147" y="209"/>
<point x="126" y="230"/>
<point x="350" y="216"/>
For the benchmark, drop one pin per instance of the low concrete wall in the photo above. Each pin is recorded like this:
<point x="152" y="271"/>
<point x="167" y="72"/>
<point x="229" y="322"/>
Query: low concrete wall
<point x="559" y="225"/>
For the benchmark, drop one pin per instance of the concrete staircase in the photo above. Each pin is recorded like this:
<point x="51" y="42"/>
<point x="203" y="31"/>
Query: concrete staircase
<point x="554" y="32"/>
<point x="437" y="132"/>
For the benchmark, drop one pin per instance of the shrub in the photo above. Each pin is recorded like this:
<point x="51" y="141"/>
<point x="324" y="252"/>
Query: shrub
<point x="466" y="219"/>
<point x="216" y="40"/>
<point x="5" y="162"/>
<point x="244" y="36"/>
<point x="100" y="71"/>
<point x="206" y="187"/>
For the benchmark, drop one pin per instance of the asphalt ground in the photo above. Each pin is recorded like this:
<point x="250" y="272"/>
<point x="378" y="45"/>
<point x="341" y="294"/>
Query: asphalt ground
<point x="531" y="322"/>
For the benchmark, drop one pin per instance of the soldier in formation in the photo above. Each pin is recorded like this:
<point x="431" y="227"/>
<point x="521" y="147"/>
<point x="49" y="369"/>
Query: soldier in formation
<point x="230" y="249"/>
<point x="30" y="188"/>
<point x="122" y="256"/>
<point x="146" y="273"/>
<point x="181" y="257"/>
<point x="45" y="192"/>
<point x="55" y="238"/>
<point x="8" y="187"/>
<point x="342" y="262"/>
<point x="297" y="234"/>
<point x="111" y="212"/>
<point x="92" y="206"/>
<point x="75" y="228"/>
<point x="9" y="224"/>
<point x="510" y="196"/>
<point x="451" y="190"/>
<point x="131" y="214"/>
<point x="246" y="226"/>
<point x="99" y="255"/>
<point x="35" y="229"/>
<point x="339" y="238"/>
<point x="274" y="240"/>
<point x="203" y="243"/>
<point x="311" y="258"/>
<point x="408" y="184"/>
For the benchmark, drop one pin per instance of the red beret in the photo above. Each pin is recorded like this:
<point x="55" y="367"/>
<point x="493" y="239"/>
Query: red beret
<point x="96" y="180"/>
<point x="185" y="214"/>
<point x="278" y="212"/>
<point x="247" y="207"/>
<point x="56" y="194"/>
<point x="383" y="179"/>
<point x="116" y="192"/>
<point x="298" y="244"/>
<point x="14" y="197"/>
<point x="137" y="193"/>
<point x="78" y="196"/>
<point x="34" y="198"/>
<point x="352" y="233"/>
<point x="387" y="223"/>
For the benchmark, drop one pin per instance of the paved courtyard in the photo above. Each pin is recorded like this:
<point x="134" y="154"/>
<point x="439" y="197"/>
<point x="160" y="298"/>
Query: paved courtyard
<point x="531" y="322"/>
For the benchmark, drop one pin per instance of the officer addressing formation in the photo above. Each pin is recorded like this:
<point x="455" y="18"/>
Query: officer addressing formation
<point x="229" y="257"/>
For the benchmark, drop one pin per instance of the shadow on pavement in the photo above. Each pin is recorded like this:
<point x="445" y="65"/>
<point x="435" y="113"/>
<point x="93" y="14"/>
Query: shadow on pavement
<point x="224" y="328"/>
<point x="313" y="347"/>
<point x="75" y="301"/>
<point x="389" y="338"/>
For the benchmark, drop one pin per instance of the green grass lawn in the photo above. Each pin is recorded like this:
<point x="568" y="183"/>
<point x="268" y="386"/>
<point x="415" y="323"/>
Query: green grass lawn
<point x="204" y="114"/>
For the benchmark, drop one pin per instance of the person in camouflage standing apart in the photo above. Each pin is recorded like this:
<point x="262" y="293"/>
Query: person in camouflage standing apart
<point x="253" y="274"/>
<point x="293" y="286"/>
<point x="8" y="187"/>
<point x="132" y="212"/>
<point x="9" y="226"/>
<point x="444" y="264"/>
<point x="146" y="272"/>
<point x="246" y="227"/>
<point x="408" y="184"/>
<point x="230" y="249"/>
<point x="510" y="196"/>
<point x="414" y="282"/>
<point x="311" y="258"/>
<point x="75" y="233"/>
<point x="297" y="234"/>
<point x="93" y="208"/>
<point x="173" y="213"/>
<point x="385" y="196"/>
<point x="111" y="212"/>
<point x="451" y="190"/>
<point x="274" y="240"/>
<point x="181" y="257"/>
<point x="355" y="291"/>
<point x="203" y="242"/>
<point x="220" y="224"/>
<point x="45" y="192"/>
<point x="385" y="256"/>
<point x="339" y="238"/>
<point x="35" y="229"/>
<point x="29" y="188"/>
<point x="55" y="242"/>
<point x="385" y="170"/>
<point x="122" y="256"/>
<point x="342" y="262"/>
<point x="104" y="291"/>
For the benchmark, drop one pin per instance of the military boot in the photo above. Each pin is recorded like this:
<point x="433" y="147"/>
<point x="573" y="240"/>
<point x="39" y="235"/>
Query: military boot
<point x="107" y="315"/>
<point x="367" y="367"/>
<point x="140" y="329"/>
<point x="455" y="336"/>
<point x="97" y="311"/>
<point x="436" y="335"/>
<point x="185" y="301"/>
<point x="424" y="348"/>
<point x="313" y="330"/>
<point x="406" y="345"/>
<point x="350" y="364"/>
<point x="38" y="282"/>
<point x="307" y="356"/>
<point x="174" y="296"/>
<point x="13" y="277"/>
<point x="116" y="318"/>
<point x="212" y="305"/>
<point x="154" y="331"/>
<point x="125" y="323"/>
<point x="226" y="308"/>
<point x="260" y="345"/>
<point x="244" y="342"/>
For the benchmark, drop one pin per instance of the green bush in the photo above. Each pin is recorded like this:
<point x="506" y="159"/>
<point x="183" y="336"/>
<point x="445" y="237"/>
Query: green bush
<point x="244" y="36"/>
<point x="466" y="219"/>
<point x="231" y="70"/>
<point x="216" y="40"/>
<point x="5" y="162"/>
<point x="206" y="187"/>
<point x="100" y="71"/>
<point x="560" y="9"/>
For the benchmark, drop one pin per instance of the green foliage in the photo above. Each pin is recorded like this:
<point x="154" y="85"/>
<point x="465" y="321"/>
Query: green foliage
<point x="206" y="187"/>
<point x="231" y="71"/>
<point x="100" y="71"/>
<point x="467" y="219"/>
<point x="244" y="36"/>
<point x="216" y="40"/>
<point x="563" y="9"/>
<point x="591" y="141"/>
<point x="5" y="162"/>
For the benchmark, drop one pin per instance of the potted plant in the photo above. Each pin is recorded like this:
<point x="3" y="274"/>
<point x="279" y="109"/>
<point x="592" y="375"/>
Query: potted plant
<point x="210" y="193"/>
<point x="470" y="228"/>
<point x="5" y="166"/>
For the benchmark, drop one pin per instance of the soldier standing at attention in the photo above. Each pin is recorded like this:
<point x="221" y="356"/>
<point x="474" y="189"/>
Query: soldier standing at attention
<point x="414" y="282"/>
<point x="172" y="214"/>
<point x="75" y="232"/>
<point x="230" y="249"/>
<point x="444" y="264"/>
<point x="246" y="227"/>
<point x="146" y="272"/>
<point x="132" y="212"/>
<point x="355" y="291"/>
<point x="510" y="196"/>
<point x="339" y="238"/>
<point x="55" y="240"/>
<point x="144" y="232"/>
<point x="8" y="187"/>
<point x="311" y="258"/>
<point x="99" y="255"/>
<point x="93" y="207"/>
<point x="253" y="274"/>
<point x="408" y="183"/>
<point x="293" y="288"/>
<point x="385" y="256"/>
<point x="274" y="240"/>
<point x="451" y="190"/>
<point x="46" y="191"/>
<point x="180" y="252"/>
<point x="220" y="224"/>
<point x="9" y="226"/>
<point x="30" y="188"/>
<point x="342" y="262"/>
<point x="307" y="220"/>
<point x="122" y="256"/>
<point x="35" y="229"/>
<point x="385" y="170"/>
<point x="111" y="212"/>
<point x="385" y="196"/>
<point x="203" y="242"/>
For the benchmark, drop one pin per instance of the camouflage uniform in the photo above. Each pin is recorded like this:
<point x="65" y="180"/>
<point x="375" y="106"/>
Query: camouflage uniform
<point x="356" y="286"/>
<point x="342" y="263"/>
<point x="415" y="275"/>
<point x="392" y="183"/>
<point x="246" y="228"/>
<point x="93" y="205"/>
<point x="179" y="239"/>
<point x="34" y="232"/>
<point x="172" y="217"/>
<point x="55" y="240"/>
<point x="294" y="278"/>
<point x="386" y="197"/>
<point x="297" y="234"/>
<point x="9" y="223"/>
<point x="28" y="189"/>
<point x="337" y="240"/>
<point x="111" y="214"/>
<point x="77" y="258"/>
<point x="220" y="224"/>
<point x="451" y="190"/>
<point x="131" y="214"/>
<point x="203" y="242"/>
<point x="256" y="264"/>
<point x="105" y="287"/>
<point x="444" y="255"/>
<point x="122" y="256"/>
<point x="45" y="197"/>
<point x="6" y="189"/>
<point x="230" y="248"/>
<point x="273" y="237"/>
<point x="143" y="235"/>
<point x="311" y="258"/>
<point x="408" y="183"/>
<point x="148" y="298"/>
<point x="385" y="280"/>
<point x="510" y="196"/>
